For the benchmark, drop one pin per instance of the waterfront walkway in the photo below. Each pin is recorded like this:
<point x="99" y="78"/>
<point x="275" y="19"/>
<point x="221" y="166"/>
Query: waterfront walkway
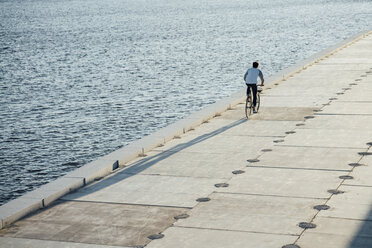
<point x="297" y="174"/>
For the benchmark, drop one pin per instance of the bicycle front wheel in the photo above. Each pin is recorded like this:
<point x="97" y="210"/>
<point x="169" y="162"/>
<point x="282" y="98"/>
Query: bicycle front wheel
<point x="258" y="102"/>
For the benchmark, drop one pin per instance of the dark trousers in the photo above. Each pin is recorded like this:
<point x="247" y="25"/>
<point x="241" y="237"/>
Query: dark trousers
<point x="254" y="90"/>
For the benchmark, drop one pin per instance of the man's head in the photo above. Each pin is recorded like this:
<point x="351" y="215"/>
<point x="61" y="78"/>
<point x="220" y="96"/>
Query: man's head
<point x="255" y="64"/>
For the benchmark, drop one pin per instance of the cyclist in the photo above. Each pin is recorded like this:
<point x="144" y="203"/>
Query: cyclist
<point x="250" y="79"/>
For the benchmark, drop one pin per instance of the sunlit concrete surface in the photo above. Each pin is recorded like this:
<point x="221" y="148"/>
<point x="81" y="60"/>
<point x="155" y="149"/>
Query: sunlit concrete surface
<point x="311" y="158"/>
<point x="251" y="213"/>
<point x="298" y="183"/>
<point x="37" y="243"/>
<point x="94" y="223"/>
<point x="298" y="172"/>
<point x="198" y="237"/>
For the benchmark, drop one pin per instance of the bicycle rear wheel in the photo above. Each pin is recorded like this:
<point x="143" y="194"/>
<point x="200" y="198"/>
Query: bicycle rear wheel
<point x="249" y="105"/>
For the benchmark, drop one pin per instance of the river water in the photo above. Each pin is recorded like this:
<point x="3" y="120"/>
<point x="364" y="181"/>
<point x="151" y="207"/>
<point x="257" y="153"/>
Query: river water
<point x="82" y="78"/>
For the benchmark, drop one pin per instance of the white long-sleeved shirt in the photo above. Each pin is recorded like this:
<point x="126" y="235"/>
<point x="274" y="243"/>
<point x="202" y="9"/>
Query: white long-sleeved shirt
<point x="252" y="75"/>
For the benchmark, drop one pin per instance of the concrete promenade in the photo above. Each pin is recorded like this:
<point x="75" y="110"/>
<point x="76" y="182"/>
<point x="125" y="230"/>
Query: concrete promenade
<point x="297" y="174"/>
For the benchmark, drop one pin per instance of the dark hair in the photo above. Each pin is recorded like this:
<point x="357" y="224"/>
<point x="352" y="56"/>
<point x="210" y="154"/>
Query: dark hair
<point x="255" y="64"/>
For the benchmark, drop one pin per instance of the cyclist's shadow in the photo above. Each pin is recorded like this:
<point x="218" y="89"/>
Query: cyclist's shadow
<point x="145" y="163"/>
<point x="149" y="161"/>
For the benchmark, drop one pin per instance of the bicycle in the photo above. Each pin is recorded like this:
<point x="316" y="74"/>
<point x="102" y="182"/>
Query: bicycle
<point x="249" y="102"/>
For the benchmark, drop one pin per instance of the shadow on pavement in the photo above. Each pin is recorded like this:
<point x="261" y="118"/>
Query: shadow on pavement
<point x="147" y="162"/>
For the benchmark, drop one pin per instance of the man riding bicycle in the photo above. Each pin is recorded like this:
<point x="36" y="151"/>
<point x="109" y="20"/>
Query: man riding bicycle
<point x="250" y="79"/>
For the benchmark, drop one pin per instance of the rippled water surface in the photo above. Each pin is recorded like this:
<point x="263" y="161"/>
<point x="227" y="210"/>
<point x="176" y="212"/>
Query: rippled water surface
<point x="81" y="78"/>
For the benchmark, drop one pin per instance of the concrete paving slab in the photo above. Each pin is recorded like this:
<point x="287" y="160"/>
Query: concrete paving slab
<point x="175" y="129"/>
<point x="336" y="232"/>
<point x="341" y="138"/>
<point x="252" y="213"/>
<point x="338" y="67"/>
<point x="192" y="138"/>
<point x="355" y="211"/>
<point x="348" y="60"/>
<point x="211" y="126"/>
<point x="361" y="176"/>
<point x="356" y="97"/>
<point x="355" y="51"/>
<point x="147" y="190"/>
<point x="223" y="144"/>
<point x="207" y="238"/>
<point x="297" y="183"/>
<point x="325" y="69"/>
<point x="290" y="101"/>
<point x="256" y="128"/>
<point x="282" y="113"/>
<point x="367" y="160"/>
<point x="97" y="223"/>
<point x="347" y="227"/>
<point x="360" y="92"/>
<point x="307" y="86"/>
<point x="182" y="141"/>
<point x="309" y="158"/>
<point x="186" y="164"/>
<point x="310" y="85"/>
<point x="33" y="243"/>
<point x="355" y="203"/>
<point x="356" y="194"/>
<point x="178" y="128"/>
<point x="349" y="108"/>
<point x="323" y="121"/>
<point x="236" y="113"/>
<point x="181" y="156"/>
<point x="262" y="128"/>
<point x="318" y="240"/>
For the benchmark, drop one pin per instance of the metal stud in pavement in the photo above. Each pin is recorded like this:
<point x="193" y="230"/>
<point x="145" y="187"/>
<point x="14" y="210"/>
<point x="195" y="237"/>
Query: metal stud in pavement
<point x="321" y="207"/>
<point x="355" y="164"/>
<point x="291" y="246"/>
<point x="335" y="191"/>
<point x="306" y="225"/>
<point x="221" y="185"/>
<point x="156" y="236"/>
<point x="203" y="199"/>
<point x="346" y="177"/>
<point x="266" y="150"/>
<point x="365" y="153"/>
<point x="181" y="216"/>
<point x="236" y="172"/>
